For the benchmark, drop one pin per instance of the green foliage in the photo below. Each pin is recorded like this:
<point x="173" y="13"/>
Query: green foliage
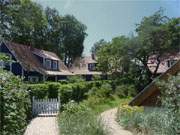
<point x="162" y="120"/>
<point x="125" y="91"/>
<point x="73" y="79"/>
<point x="111" y="56"/>
<point x="126" y="115"/>
<point x="66" y="92"/>
<point x="77" y="119"/>
<point x="73" y="35"/>
<point x="170" y="98"/>
<point x="127" y="58"/>
<point x="26" y="22"/>
<point x="4" y="57"/>
<point x="14" y="104"/>
<point x="96" y="77"/>
<point x="97" y="46"/>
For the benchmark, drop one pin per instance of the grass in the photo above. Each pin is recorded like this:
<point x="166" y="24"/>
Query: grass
<point x="82" y="118"/>
<point x="77" y="119"/>
<point x="108" y="104"/>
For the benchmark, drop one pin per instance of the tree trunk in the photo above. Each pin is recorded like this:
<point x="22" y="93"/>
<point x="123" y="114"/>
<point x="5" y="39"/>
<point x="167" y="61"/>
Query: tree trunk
<point x="157" y="67"/>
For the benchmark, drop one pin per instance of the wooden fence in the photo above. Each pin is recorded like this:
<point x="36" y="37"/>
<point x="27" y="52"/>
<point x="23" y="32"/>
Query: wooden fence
<point x="45" y="106"/>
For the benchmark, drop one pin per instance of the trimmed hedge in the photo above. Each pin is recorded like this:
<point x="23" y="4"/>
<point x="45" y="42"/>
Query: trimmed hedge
<point x="14" y="105"/>
<point x="66" y="92"/>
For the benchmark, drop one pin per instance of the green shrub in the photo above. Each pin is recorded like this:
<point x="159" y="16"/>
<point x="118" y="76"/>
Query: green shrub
<point x="74" y="79"/>
<point x="66" y="92"/>
<point x="14" y="104"/>
<point x="96" y="77"/>
<point x="38" y="90"/>
<point x="53" y="90"/>
<point x="77" y="119"/>
<point x="162" y="120"/>
<point x="157" y="122"/>
<point x="125" y="91"/>
<point x="104" y="91"/>
<point x="126" y="115"/>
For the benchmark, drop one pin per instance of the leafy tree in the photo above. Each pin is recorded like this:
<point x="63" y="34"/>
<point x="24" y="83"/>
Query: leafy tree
<point x="73" y="35"/>
<point x="112" y="56"/>
<point x="53" y="34"/>
<point x="25" y="24"/>
<point x="97" y="46"/>
<point x="154" y="38"/>
<point x="24" y="21"/>
<point x="157" y="35"/>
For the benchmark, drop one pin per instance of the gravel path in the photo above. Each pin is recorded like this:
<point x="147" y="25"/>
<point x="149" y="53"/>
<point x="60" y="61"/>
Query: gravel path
<point x="43" y="126"/>
<point x="108" y="118"/>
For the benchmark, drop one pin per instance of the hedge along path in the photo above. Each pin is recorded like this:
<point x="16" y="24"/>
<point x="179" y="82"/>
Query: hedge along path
<point x="43" y="126"/>
<point x="108" y="119"/>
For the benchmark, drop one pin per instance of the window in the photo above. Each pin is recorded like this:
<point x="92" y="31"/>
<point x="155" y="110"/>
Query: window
<point x="48" y="64"/>
<point x="33" y="79"/>
<point x="171" y="62"/>
<point x="55" y="65"/>
<point x="91" y="66"/>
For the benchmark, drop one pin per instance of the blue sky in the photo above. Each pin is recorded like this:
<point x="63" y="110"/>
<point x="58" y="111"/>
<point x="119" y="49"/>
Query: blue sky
<point x="106" y="19"/>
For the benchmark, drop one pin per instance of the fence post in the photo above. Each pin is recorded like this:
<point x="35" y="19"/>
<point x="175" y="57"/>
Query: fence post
<point x="33" y="106"/>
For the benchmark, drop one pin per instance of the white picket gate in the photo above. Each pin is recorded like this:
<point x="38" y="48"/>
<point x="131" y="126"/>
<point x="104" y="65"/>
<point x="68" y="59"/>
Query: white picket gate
<point x="45" y="106"/>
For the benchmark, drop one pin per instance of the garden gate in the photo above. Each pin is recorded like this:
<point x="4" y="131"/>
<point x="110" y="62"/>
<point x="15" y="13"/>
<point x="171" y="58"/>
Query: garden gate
<point x="45" y="106"/>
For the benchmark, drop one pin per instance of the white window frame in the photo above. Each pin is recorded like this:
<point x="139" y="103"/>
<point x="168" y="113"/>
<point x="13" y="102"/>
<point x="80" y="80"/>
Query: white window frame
<point x="55" y="65"/>
<point x="31" y="79"/>
<point x="171" y="62"/>
<point x="48" y="66"/>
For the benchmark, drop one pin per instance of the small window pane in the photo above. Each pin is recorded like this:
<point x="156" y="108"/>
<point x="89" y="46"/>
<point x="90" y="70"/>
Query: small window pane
<point x="48" y="64"/>
<point x="55" y="65"/>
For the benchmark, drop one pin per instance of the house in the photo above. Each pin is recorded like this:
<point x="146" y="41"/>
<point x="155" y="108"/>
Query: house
<point x="166" y="62"/>
<point x="148" y="97"/>
<point x="85" y="67"/>
<point x="33" y="64"/>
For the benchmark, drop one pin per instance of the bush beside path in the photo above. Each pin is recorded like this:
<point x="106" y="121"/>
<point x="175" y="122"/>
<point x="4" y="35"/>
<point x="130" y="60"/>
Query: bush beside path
<point x="109" y="121"/>
<point x="43" y="126"/>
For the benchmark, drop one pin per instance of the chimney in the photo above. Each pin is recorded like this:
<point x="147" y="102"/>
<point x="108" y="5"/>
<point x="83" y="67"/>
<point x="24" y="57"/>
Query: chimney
<point x="93" y="56"/>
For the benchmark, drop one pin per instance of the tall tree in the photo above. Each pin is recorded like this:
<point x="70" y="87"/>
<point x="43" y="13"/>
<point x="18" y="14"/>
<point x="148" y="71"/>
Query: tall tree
<point x="154" y="38"/>
<point x="97" y="46"/>
<point x="157" y="35"/>
<point x="24" y="21"/>
<point x="112" y="56"/>
<point x="73" y="35"/>
<point x="25" y="24"/>
<point x="53" y="31"/>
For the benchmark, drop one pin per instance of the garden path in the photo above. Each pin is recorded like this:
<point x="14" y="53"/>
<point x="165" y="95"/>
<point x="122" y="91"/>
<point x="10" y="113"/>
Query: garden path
<point x="109" y="121"/>
<point x="43" y="126"/>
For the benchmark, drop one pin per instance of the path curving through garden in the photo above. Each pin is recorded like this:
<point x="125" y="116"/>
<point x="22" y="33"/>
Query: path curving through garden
<point x="43" y="126"/>
<point x="108" y="119"/>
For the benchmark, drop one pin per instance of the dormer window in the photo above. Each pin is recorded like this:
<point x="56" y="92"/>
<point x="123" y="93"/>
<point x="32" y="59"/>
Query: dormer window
<point x="91" y="66"/>
<point x="171" y="62"/>
<point x="48" y="64"/>
<point x="55" y="65"/>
